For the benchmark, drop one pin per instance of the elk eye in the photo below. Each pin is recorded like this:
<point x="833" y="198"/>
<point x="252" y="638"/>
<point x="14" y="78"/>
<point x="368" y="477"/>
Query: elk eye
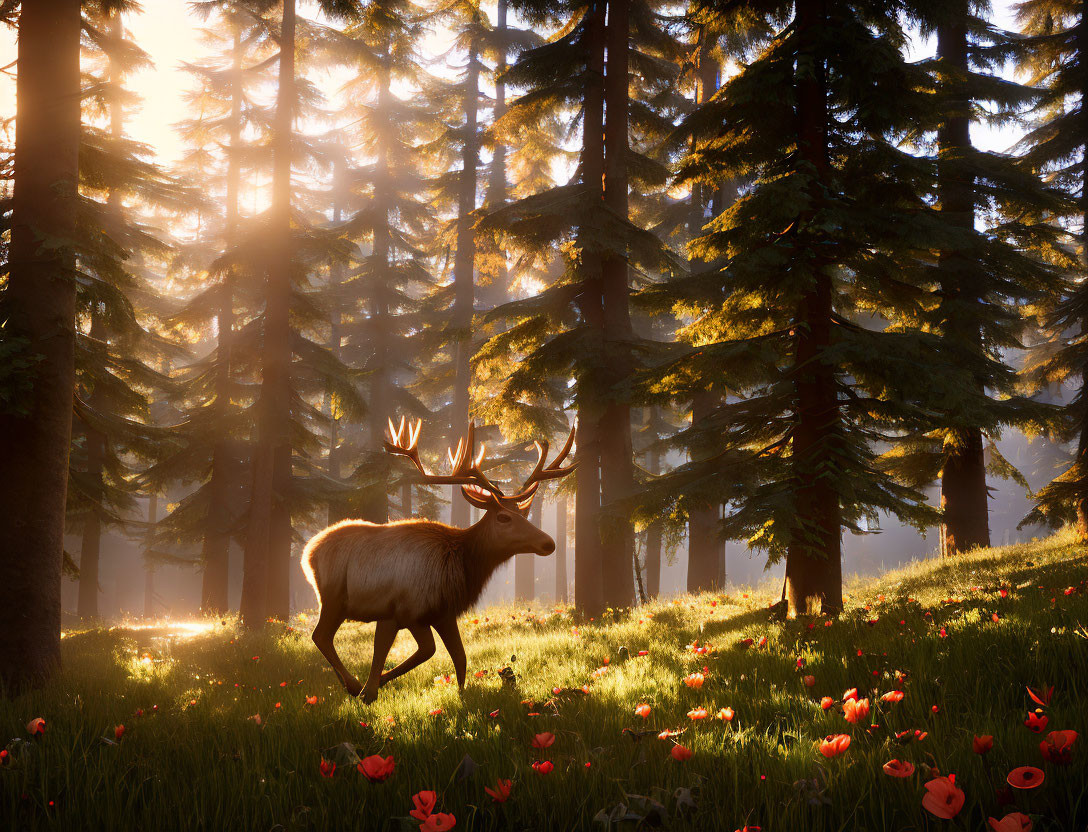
<point x="504" y="518"/>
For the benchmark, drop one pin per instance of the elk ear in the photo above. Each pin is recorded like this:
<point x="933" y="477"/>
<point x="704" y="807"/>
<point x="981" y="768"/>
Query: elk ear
<point x="479" y="497"/>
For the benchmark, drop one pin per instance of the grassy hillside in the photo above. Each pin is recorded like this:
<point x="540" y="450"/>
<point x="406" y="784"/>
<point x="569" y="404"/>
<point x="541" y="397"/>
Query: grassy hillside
<point x="962" y="639"/>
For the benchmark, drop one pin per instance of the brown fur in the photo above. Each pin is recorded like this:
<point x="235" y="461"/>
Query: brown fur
<point x="412" y="574"/>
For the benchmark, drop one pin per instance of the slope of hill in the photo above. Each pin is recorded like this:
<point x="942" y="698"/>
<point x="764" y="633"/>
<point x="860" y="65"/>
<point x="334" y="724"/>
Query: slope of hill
<point x="227" y="730"/>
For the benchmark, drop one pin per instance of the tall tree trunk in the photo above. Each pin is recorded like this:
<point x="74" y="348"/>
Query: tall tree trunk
<point x="525" y="565"/>
<point x="497" y="292"/>
<point x="1081" y="461"/>
<point x="617" y="463"/>
<point x="215" y="551"/>
<point x="964" y="499"/>
<point x="561" y="551"/>
<point x="38" y="307"/>
<point x="814" y="556"/>
<point x="375" y="506"/>
<point x="703" y="566"/>
<point x="334" y="511"/>
<point x="464" y="268"/>
<point x="149" y="568"/>
<point x="588" y="569"/>
<point x="265" y="584"/>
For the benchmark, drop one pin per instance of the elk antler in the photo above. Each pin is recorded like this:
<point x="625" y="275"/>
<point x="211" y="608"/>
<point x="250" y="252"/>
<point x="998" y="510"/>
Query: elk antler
<point x="464" y="462"/>
<point x="542" y="472"/>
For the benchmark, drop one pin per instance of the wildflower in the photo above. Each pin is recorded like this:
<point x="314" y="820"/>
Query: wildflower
<point x="1058" y="747"/>
<point x="694" y="680"/>
<point x="810" y="681"/>
<point x="377" y="768"/>
<point x="834" y="744"/>
<point x="1012" y="822"/>
<point x="827" y="703"/>
<point x="643" y="710"/>
<point x="855" y="709"/>
<point x="327" y="767"/>
<point x="424" y="804"/>
<point x="1025" y="777"/>
<point x="36" y="727"/>
<point x="544" y="740"/>
<point x="1036" y="722"/>
<point x="697" y="714"/>
<point x="438" y="822"/>
<point x="893" y="696"/>
<point x="544" y="767"/>
<point x="311" y="700"/>
<point x="501" y="792"/>
<point x="681" y="753"/>
<point x="762" y="641"/>
<point x="850" y="694"/>
<point x="5" y="757"/>
<point x="479" y="674"/>
<point x="256" y="718"/>
<point x="1042" y="699"/>
<point x="943" y="799"/>
<point x="435" y="712"/>
<point x="119" y="732"/>
<point x="983" y="744"/>
<point x="898" y="768"/>
<point x="725" y="715"/>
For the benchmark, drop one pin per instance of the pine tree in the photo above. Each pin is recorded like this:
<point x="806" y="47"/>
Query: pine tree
<point x="38" y="312"/>
<point x="786" y="315"/>
<point x="1054" y="50"/>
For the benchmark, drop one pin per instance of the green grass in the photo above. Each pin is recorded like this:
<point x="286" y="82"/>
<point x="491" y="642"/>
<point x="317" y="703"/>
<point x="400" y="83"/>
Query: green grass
<point x="196" y="760"/>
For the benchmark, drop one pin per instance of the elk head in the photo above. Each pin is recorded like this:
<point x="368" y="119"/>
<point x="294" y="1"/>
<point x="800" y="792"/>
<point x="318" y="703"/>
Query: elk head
<point x="504" y="522"/>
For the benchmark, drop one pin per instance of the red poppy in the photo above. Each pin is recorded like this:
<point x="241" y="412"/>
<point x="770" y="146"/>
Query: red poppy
<point x="834" y="744"/>
<point x="1042" y="699"/>
<point x="694" y="680"/>
<point x="898" y="768"/>
<point x="435" y="712"/>
<point x="1014" y="822"/>
<point x="377" y="768"/>
<point x="697" y="714"/>
<point x="311" y="700"/>
<point x="893" y="696"/>
<point x="725" y="715"/>
<point x="983" y="744"/>
<point x="810" y="681"/>
<point x="855" y="709"/>
<point x="943" y="799"/>
<point x="643" y="710"/>
<point x="36" y="727"/>
<point x="850" y="694"/>
<point x="544" y="767"/>
<point x="1036" y="722"/>
<point x="762" y="641"/>
<point x="544" y="740"/>
<point x="438" y="822"/>
<point x="1058" y="747"/>
<point x="501" y="792"/>
<point x="827" y="703"/>
<point x="1025" y="777"/>
<point x="119" y="732"/>
<point x="424" y="804"/>
<point x="681" y="753"/>
<point x="328" y="767"/>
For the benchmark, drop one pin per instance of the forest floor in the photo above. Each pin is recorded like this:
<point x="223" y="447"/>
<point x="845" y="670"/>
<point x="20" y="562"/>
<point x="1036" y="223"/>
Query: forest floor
<point x="226" y="730"/>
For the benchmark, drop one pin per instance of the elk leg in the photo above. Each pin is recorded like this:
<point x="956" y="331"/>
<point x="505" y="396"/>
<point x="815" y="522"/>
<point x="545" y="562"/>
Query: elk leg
<point x="323" y="635"/>
<point x="451" y="637"/>
<point x="384" y="636"/>
<point x="425" y="649"/>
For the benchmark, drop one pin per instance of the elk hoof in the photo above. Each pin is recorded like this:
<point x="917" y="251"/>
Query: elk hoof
<point x="352" y="686"/>
<point x="368" y="696"/>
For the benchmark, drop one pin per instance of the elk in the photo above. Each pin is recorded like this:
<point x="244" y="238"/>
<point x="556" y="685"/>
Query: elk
<point x="417" y="574"/>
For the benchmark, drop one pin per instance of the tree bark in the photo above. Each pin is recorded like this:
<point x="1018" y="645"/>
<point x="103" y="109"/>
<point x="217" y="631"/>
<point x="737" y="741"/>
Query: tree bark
<point x="464" y="268"/>
<point x="215" y="552"/>
<point x="39" y="310"/>
<point x="617" y="463"/>
<point x="964" y="498"/>
<point x="561" y="551"/>
<point x="265" y="584"/>
<point x="525" y="565"/>
<point x="333" y="465"/>
<point x="814" y="556"/>
<point x="149" y="569"/>
<point x="588" y="570"/>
